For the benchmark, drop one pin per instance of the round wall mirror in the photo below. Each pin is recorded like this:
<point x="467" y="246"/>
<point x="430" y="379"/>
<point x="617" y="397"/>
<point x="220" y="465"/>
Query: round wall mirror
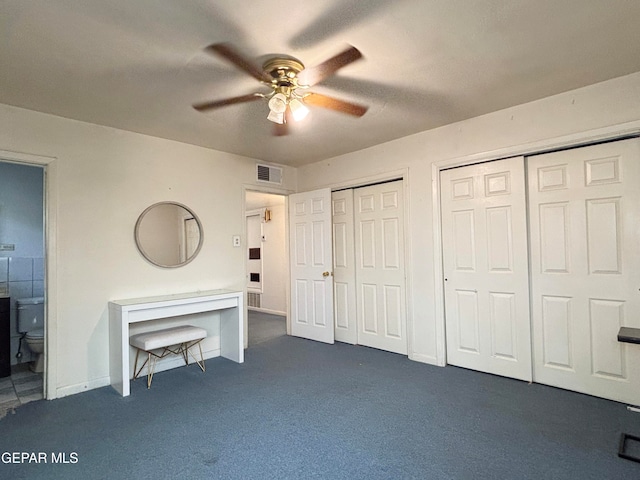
<point x="168" y="234"/>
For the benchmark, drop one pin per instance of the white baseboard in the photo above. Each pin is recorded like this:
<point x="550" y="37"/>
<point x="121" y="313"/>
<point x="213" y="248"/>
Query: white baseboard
<point x="167" y="363"/>
<point x="81" y="387"/>
<point x="267" y="310"/>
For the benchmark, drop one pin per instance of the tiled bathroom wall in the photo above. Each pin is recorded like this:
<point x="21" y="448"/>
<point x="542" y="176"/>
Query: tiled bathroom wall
<point x="20" y="277"/>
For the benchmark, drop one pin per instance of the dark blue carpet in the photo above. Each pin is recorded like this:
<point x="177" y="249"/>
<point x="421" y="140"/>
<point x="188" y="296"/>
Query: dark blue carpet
<point x="300" y="409"/>
<point x="265" y="326"/>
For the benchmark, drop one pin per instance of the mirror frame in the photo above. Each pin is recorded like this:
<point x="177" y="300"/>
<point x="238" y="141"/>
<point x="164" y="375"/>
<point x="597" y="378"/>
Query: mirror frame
<point x="136" y="234"/>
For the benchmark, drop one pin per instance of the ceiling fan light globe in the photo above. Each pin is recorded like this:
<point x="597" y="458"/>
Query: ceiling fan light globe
<point x="276" y="117"/>
<point x="278" y="103"/>
<point x="298" y="110"/>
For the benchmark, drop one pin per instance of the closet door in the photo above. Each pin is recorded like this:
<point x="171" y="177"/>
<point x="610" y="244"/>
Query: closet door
<point x="310" y="254"/>
<point x="380" y="276"/>
<point x="344" y="269"/>
<point x="484" y="237"/>
<point x="585" y="260"/>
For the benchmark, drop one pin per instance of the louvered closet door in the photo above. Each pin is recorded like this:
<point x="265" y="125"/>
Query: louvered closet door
<point x="380" y="281"/>
<point x="484" y="236"/>
<point x="585" y="260"/>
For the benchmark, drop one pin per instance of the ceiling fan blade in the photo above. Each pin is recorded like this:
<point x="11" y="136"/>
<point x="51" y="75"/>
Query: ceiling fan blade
<point x="319" y="100"/>
<point x="204" y="106"/>
<point x="281" y="129"/>
<point x="229" y="53"/>
<point x="313" y="75"/>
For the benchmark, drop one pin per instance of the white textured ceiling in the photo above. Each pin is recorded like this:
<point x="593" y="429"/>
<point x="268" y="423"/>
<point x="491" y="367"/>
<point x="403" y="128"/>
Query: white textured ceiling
<point x="139" y="65"/>
<point x="255" y="200"/>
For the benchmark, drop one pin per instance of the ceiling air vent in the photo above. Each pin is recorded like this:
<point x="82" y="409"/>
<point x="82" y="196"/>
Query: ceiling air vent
<point x="269" y="174"/>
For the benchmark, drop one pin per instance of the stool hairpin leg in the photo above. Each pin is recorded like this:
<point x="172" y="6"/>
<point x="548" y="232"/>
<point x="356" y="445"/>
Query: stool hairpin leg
<point x="185" y="352"/>
<point x="135" y="365"/>
<point x="153" y="359"/>
<point x="201" y="361"/>
<point x="136" y="370"/>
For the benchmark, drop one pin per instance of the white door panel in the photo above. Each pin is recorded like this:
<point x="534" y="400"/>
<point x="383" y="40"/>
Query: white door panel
<point x="311" y="263"/>
<point x="484" y="236"/>
<point x="344" y="280"/>
<point x="584" y="214"/>
<point x="380" y="273"/>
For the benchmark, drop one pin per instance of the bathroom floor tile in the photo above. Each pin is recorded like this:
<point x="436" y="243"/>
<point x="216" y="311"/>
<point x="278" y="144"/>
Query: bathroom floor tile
<point x="27" y="384"/>
<point x="5" y="382"/>
<point x="22" y="387"/>
<point x="6" y="392"/>
<point x="26" y="377"/>
<point x="28" y="388"/>
<point x="7" y="396"/>
<point x="17" y="376"/>
<point x="37" y="395"/>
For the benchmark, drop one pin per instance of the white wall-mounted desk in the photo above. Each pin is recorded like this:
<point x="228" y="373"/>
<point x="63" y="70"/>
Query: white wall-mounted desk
<point x="122" y="313"/>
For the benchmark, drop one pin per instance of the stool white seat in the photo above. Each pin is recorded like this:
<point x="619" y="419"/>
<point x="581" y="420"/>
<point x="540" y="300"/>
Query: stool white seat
<point x="181" y="338"/>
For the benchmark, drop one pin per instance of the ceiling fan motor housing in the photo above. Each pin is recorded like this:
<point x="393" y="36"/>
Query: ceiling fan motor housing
<point x="284" y="71"/>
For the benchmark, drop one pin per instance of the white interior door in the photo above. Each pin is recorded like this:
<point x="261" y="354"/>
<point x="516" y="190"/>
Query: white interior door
<point x="380" y="273"/>
<point x="311" y="263"/>
<point x="585" y="260"/>
<point x="344" y="270"/>
<point x="484" y="237"/>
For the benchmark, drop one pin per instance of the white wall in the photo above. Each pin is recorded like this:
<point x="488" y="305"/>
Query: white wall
<point x="511" y="131"/>
<point x="275" y="263"/>
<point x="99" y="182"/>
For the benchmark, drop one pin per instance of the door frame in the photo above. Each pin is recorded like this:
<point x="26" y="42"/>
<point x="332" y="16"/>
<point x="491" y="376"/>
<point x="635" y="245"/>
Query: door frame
<point x="50" y="180"/>
<point x="611" y="133"/>
<point x="273" y="190"/>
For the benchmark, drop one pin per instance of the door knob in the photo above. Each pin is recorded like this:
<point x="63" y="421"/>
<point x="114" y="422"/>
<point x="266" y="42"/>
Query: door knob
<point x="325" y="274"/>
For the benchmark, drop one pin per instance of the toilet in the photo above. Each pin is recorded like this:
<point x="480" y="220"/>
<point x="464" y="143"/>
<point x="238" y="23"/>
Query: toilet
<point x="31" y="324"/>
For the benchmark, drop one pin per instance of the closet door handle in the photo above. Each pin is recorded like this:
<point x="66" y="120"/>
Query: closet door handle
<point x="325" y="274"/>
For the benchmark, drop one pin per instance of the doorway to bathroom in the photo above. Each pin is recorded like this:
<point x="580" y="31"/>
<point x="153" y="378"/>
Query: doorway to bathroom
<point x="22" y="283"/>
<point x="267" y="266"/>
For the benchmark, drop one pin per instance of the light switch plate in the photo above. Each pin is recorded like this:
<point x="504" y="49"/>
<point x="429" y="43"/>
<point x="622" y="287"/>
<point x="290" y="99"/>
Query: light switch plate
<point x="236" y="240"/>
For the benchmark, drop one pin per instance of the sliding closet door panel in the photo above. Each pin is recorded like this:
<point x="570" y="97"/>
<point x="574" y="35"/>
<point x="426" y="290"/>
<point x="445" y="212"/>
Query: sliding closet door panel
<point x="344" y="267"/>
<point x="585" y="260"/>
<point x="380" y="273"/>
<point x="484" y="236"/>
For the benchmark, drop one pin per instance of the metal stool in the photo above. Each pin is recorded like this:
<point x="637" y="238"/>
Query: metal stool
<point x="175" y="340"/>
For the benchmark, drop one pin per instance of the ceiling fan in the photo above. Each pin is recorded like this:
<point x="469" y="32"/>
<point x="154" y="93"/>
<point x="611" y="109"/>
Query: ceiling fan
<point x="289" y="82"/>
